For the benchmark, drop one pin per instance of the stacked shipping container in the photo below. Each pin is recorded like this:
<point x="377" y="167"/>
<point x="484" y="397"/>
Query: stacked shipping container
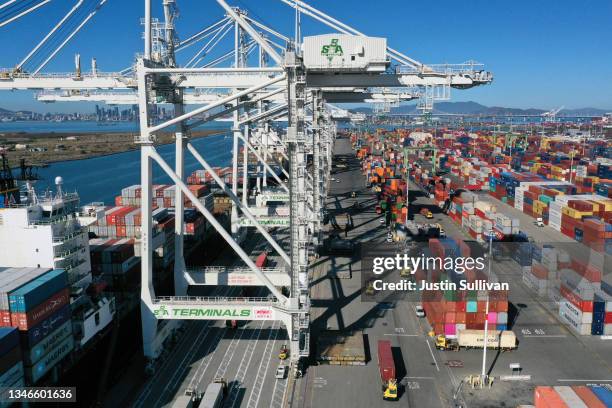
<point x="37" y="302"/>
<point x="578" y="396"/>
<point x="451" y="311"/>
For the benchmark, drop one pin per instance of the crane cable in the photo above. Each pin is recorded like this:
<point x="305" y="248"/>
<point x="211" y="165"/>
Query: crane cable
<point x="39" y="56"/>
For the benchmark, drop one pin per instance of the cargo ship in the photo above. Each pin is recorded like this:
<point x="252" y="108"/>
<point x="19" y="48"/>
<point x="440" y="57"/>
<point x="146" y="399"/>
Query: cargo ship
<point x="49" y="300"/>
<point x="72" y="276"/>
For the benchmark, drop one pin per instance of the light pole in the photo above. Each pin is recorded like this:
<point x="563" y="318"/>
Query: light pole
<point x="483" y="375"/>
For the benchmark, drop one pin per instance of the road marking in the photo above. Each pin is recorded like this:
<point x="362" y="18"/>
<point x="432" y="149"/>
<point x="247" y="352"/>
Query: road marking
<point x="419" y="378"/>
<point x="593" y="381"/>
<point x="261" y="374"/>
<point x="432" y="354"/>
<point x="401" y="335"/>
<point x="183" y="366"/>
<point x="243" y="367"/>
<point x="543" y="336"/>
<point x="149" y="385"/>
<point x="606" y="337"/>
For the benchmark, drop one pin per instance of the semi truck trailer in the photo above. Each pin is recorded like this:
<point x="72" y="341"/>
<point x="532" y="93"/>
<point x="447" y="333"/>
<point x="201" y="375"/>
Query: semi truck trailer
<point x="497" y="339"/>
<point x="386" y="366"/>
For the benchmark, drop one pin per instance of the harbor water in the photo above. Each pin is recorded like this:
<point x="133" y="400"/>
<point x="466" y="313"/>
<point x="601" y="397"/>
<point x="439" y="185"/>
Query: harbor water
<point x="102" y="178"/>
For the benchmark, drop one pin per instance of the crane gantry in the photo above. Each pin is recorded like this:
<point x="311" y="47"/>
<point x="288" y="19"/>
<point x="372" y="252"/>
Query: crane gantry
<point x="283" y="84"/>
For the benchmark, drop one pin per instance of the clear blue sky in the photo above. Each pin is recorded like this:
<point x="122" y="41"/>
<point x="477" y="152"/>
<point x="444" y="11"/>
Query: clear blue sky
<point x="543" y="53"/>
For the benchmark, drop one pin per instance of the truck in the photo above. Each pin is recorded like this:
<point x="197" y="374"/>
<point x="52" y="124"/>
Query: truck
<point x="215" y="394"/>
<point x="183" y="401"/>
<point x="468" y="339"/>
<point x="386" y="365"/>
<point x="342" y="221"/>
<point x="426" y="213"/>
<point x="334" y="245"/>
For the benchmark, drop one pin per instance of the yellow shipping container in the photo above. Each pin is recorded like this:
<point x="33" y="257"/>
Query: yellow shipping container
<point x="575" y="213"/>
<point x="607" y="204"/>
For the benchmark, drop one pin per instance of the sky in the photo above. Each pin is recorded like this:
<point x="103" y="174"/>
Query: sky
<point x="543" y="54"/>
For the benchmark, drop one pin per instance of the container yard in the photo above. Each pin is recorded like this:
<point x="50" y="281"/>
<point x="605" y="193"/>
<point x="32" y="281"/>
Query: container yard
<point x="350" y="238"/>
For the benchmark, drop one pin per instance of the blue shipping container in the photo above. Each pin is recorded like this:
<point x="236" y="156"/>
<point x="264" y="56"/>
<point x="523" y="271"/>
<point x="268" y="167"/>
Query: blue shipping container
<point x="604" y="394"/>
<point x="47" y="344"/>
<point x="9" y="339"/>
<point x="49" y="361"/>
<point x="47" y="326"/>
<point x="37" y="291"/>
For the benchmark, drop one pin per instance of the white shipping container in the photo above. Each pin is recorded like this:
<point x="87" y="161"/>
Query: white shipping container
<point x="582" y="329"/>
<point x="577" y="315"/>
<point x="568" y="396"/>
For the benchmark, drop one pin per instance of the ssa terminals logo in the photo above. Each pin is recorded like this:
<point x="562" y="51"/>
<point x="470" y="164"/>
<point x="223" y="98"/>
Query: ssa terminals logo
<point x="332" y="50"/>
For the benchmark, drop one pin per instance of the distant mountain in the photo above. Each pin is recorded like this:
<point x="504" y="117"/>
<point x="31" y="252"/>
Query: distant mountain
<point x="474" y="108"/>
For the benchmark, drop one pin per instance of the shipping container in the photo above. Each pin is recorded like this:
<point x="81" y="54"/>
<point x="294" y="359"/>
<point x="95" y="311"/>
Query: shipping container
<point x="24" y="321"/>
<point x="31" y="337"/>
<point x="12" y="375"/>
<point x="588" y="397"/>
<point x="603" y="393"/>
<point x="36" y="291"/>
<point x="47" y="362"/>
<point x="9" y="339"/>
<point x="34" y="354"/>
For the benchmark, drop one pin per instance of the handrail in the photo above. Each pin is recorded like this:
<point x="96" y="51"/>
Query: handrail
<point x="213" y="299"/>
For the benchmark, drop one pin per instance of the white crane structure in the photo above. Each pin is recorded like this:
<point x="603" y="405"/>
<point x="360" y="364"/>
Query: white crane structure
<point x="295" y="79"/>
<point x="551" y="115"/>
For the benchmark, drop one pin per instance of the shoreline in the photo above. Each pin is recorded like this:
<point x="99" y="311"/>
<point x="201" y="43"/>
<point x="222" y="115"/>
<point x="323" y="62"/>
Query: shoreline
<point x="101" y="145"/>
<point x="130" y="149"/>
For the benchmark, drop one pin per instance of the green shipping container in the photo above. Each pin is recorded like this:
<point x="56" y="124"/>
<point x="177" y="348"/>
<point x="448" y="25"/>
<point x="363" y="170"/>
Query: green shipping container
<point x="545" y="199"/>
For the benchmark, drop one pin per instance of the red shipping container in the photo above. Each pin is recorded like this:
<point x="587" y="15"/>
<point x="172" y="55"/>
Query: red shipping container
<point x="588" y="396"/>
<point x="547" y="397"/>
<point x="574" y="299"/>
<point x="608" y="318"/>
<point x="121" y="231"/>
<point x="539" y="271"/>
<point x="460" y="318"/>
<point x="25" y="321"/>
<point x="5" y="318"/>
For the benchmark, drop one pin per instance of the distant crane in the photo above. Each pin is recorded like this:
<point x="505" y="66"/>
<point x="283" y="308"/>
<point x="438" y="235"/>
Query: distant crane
<point x="552" y="114"/>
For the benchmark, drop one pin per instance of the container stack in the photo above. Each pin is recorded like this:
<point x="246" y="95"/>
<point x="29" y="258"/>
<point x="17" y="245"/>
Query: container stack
<point x="203" y="177"/>
<point x="449" y="311"/>
<point x="579" y="288"/>
<point x="38" y="305"/>
<point x="11" y="364"/>
<point x="163" y="196"/>
<point x="478" y="217"/>
<point x="592" y="396"/>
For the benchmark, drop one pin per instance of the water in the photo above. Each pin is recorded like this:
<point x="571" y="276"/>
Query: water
<point x="84" y="127"/>
<point x="102" y="178"/>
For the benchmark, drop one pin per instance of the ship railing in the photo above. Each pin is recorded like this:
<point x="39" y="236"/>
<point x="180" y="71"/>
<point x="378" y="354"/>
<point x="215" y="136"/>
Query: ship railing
<point x="228" y="269"/>
<point x="213" y="299"/>
<point x="67" y="237"/>
<point x="56" y="219"/>
<point x="470" y="67"/>
<point x="67" y="253"/>
<point x="71" y="265"/>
